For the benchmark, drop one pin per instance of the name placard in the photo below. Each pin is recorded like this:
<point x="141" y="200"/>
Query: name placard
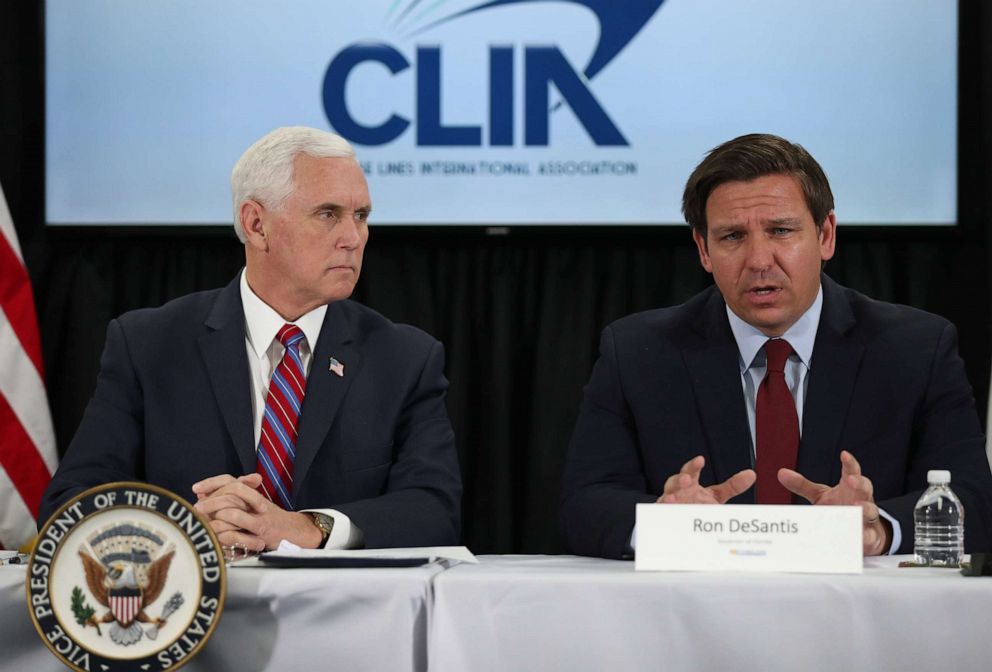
<point x="749" y="538"/>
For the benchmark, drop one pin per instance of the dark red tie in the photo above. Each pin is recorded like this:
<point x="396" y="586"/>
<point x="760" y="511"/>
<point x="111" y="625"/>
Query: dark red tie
<point x="776" y="427"/>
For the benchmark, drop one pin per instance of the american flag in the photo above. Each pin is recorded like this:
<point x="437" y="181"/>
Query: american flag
<point x="336" y="367"/>
<point x="27" y="440"/>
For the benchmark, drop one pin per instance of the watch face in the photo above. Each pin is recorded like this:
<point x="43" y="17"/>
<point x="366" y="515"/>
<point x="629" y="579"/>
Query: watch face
<point x="324" y="522"/>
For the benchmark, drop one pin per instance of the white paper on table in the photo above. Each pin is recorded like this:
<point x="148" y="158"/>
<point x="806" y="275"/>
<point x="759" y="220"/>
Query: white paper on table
<point x="450" y="554"/>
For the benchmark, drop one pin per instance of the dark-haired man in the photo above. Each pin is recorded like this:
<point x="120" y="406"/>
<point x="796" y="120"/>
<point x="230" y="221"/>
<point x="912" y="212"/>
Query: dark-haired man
<point x="775" y="385"/>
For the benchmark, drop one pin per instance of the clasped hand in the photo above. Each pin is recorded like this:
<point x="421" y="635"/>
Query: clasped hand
<point x="853" y="489"/>
<point x="242" y="516"/>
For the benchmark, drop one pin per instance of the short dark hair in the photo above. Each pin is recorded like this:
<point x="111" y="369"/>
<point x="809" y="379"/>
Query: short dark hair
<point x="747" y="158"/>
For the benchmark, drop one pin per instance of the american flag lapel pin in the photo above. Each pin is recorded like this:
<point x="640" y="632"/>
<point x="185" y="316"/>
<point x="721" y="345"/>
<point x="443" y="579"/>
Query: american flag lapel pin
<point x="336" y="367"/>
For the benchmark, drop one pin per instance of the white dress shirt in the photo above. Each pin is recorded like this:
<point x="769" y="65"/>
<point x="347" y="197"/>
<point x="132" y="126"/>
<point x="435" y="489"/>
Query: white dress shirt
<point x="262" y="323"/>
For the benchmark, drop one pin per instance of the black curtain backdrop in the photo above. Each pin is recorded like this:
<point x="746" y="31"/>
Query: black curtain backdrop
<point x="519" y="314"/>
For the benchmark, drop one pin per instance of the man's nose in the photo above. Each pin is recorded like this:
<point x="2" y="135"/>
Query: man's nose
<point x="759" y="253"/>
<point x="351" y="231"/>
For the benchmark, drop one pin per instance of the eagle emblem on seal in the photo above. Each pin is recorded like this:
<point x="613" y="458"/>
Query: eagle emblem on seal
<point x="126" y="567"/>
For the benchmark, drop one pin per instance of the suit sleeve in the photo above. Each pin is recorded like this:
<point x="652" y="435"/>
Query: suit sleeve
<point x="422" y="502"/>
<point x="604" y="477"/>
<point x="948" y="436"/>
<point x="107" y="445"/>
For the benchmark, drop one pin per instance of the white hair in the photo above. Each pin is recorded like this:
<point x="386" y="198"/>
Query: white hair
<point x="264" y="173"/>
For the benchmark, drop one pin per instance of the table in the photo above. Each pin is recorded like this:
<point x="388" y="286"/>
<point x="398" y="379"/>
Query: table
<point x="286" y="620"/>
<point x="567" y="613"/>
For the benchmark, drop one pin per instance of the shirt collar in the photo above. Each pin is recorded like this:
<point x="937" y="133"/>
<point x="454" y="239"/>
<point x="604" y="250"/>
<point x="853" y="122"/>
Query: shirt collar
<point x="263" y="323"/>
<point x="801" y="335"/>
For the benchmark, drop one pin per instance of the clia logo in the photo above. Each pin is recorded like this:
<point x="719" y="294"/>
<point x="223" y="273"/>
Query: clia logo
<point x="543" y="66"/>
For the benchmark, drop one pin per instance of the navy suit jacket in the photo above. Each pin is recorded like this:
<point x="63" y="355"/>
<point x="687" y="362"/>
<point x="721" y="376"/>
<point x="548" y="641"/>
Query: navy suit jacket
<point x="172" y="406"/>
<point x="886" y="383"/>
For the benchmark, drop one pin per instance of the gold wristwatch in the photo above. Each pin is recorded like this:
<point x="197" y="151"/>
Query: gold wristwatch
<point x="324" y="523"/>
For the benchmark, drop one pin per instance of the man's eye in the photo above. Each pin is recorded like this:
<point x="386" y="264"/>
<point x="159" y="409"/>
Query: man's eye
<point x="362" y="216"/>
<point x="328" y="214"/>
<point x="732" y="236"/>
<point x="781" y="230"/>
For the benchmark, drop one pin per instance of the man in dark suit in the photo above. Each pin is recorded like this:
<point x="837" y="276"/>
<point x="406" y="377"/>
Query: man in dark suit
<point x="776" y="382"/>
<point x="285" y="410"/>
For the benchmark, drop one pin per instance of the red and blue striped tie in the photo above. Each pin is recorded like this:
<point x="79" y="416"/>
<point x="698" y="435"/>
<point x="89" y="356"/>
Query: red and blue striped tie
<point x="277" y="445"/>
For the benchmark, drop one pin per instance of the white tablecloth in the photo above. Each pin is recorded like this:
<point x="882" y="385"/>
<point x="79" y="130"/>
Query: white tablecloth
<point x="285" y="620"/>
<point x="566" y="613"/>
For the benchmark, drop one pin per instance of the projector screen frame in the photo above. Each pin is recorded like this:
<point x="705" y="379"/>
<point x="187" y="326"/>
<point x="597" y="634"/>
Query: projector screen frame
<point x="971" y="179"/>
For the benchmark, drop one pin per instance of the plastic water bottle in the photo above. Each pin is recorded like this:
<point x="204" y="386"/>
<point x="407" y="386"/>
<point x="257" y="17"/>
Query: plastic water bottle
<point x="939" y="522"/>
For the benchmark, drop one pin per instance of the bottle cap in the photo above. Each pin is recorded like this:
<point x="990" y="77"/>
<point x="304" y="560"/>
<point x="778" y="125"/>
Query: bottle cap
<point x="938" y="476"/>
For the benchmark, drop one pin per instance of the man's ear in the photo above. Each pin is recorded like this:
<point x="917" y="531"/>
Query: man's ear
<point x="253" y="224"/>
<point x="827" y="234"/>
<point x="703" y="248"/>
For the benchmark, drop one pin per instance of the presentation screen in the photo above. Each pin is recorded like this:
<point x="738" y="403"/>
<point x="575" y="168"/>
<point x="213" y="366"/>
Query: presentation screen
<point x="498" y="112"/>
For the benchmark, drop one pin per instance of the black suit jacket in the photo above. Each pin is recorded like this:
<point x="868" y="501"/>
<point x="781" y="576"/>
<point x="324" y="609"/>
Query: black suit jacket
<point x="886" y="383"/>
<point x="172" y="406"/>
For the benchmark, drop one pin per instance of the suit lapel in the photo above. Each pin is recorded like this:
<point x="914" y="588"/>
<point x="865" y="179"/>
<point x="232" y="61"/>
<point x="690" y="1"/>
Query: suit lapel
<point x="714" y="368"/>
<point x="223" y="351"/>
<point x="325" y="389"/>
<point x="833" y="371"/>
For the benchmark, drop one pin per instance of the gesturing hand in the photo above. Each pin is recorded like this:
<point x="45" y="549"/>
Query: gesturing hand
<point x="684" y="487"/>
<point x="853" y="489"/>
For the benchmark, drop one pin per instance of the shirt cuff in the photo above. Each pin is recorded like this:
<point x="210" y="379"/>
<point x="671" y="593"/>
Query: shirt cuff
<point x="896" y="532"/>
<point x="345" y="534"/>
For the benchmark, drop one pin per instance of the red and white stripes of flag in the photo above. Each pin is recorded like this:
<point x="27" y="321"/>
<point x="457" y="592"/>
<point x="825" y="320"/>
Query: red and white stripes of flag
<point x="27" y="440"/>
